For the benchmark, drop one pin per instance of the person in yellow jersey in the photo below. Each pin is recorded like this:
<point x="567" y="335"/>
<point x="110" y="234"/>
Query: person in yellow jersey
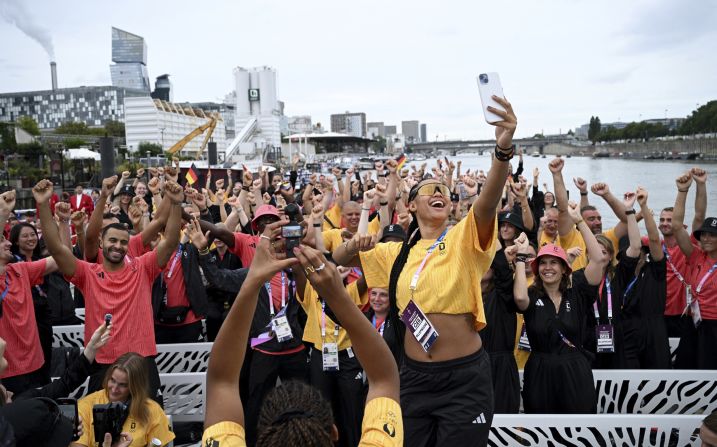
<point x="127" y="382"/>
<point x="294" y="414"/>
<point x="434" y="282"/>
<point x="334" y="369"/>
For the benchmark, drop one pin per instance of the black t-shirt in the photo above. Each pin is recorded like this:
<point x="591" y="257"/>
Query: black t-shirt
<point x="546" y="328"/>
<point x="624" y="273"/>
<point x="499" y="306"/>
<point x="647" y="296"/>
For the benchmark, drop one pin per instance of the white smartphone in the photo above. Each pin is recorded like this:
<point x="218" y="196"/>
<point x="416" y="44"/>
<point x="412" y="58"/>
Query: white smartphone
<point x="489" y="85"/>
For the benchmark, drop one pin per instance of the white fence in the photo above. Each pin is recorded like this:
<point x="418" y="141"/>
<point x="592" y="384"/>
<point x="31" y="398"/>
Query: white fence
<point x="590" y="430"/>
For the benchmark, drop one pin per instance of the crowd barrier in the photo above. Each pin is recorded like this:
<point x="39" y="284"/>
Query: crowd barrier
<point x="521" y="430"/>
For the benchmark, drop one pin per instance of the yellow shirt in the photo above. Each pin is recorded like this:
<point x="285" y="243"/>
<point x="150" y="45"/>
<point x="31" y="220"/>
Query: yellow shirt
<point x="575" y="239"/>
<point x="334" y="215"/>
<point x="450" y="280"/>
<point x="545" y="240"/>
<point x="332" y="237"/>
<point x="312" y="307"/>
<point x="382" y="426"/>
<point x="141" y="436"/>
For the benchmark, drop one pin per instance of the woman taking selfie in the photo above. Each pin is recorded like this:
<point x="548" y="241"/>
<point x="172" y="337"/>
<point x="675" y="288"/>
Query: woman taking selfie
<point x="434" y="281"/>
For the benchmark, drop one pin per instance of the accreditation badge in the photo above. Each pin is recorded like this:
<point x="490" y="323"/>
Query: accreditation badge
<point x="282" y="330"/>
<point x="330" y="356"/>
<point x="696" y="314"/>
<point x="605" y="338"/>
<point x="523" y="342"/>
<point x="419" y="325"/>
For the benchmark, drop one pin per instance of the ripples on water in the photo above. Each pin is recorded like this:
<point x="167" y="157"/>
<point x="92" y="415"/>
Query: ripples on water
<point x="658" y="176"/>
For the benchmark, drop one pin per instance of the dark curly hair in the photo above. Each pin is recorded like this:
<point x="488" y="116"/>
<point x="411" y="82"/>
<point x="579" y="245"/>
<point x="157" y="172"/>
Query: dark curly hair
<point x="294" y="413"/>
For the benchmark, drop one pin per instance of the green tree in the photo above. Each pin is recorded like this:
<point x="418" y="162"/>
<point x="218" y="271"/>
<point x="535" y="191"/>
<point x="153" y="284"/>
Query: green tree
<point x="152" y="148"/>
<point x="702" y="120"/>
<point x="29" y="125"/>
<point x="7" y="137"/>
<point x="538" y="135"/>
<point x="74" y="142"/>
<point x="594" y="129"/>
<point x="114" y="128"/>
<point x="73" y="128"/>
<point x="31" y="151"/>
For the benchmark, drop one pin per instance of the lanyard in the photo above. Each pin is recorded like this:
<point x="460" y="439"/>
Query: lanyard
<point x="672" y="266"/>
<point x="414" y="280"/>
<point x="7" y="287"/>
<point x="379" y="328"/>
<point x="357" y="271"/>
<point x="629" y="287"/>
<point x="606" y="283"/>
<point x="323" y="324"/>
<point x="704" y="278"/>
<point x="267" y="286"/>
<point x="565" y="339"/>
<point x="174" y="261"/>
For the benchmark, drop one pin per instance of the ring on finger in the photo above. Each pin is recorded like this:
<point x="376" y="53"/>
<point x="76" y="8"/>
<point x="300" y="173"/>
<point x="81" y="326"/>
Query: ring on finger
<point x="309" y="269"/>
<point x="321" y="267"/>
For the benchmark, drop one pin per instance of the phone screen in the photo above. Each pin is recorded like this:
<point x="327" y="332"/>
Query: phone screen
<point x="68" y="408"/>
<point x="291" y="231"/>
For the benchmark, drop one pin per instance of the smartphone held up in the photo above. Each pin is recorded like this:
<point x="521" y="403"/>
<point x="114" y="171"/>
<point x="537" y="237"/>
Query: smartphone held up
<point x="489" y="86"/>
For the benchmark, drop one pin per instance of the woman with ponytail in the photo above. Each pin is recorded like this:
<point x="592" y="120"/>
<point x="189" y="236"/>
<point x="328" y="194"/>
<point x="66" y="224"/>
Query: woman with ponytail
<point x="434" y="283"/>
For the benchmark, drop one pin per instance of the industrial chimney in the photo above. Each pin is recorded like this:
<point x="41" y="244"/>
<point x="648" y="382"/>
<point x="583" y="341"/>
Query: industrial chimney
<point x="53" y="71"/>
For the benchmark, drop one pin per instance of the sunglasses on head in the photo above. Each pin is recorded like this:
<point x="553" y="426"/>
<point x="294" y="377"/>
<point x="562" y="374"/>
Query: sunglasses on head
<point x="431" y="188"/>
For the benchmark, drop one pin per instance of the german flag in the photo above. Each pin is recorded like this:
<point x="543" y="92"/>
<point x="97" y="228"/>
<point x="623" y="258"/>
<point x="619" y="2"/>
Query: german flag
<point x="192" y="176"/>
<point x="400" y="161"/>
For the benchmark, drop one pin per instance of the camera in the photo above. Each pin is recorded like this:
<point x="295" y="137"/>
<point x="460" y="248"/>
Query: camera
<point x="109" y="418"/>
<point x="483" y="78"/>
<point x="292" y="231"/>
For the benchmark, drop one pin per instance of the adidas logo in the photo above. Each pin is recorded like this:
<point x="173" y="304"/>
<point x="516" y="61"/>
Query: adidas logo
<point x="539" y="302"/>
<point x="359" y="376"/>
<point x="480" y="419"/>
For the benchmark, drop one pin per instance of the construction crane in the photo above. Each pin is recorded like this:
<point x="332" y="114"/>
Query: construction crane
<point x="209" y="127"/>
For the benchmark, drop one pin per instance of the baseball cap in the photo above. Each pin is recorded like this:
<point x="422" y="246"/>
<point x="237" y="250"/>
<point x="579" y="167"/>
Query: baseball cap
<point x="708" y="226"/>
<point x="393" y="230"/>
<point x="127" y="189"/>
<point x="512" y="218"/>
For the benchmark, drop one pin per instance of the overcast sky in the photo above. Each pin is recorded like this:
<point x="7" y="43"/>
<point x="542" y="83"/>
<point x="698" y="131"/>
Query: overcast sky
<point x="560" y="61"/>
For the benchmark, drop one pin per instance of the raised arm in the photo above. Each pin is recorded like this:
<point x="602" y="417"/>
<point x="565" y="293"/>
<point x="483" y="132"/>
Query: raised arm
<point x="368" y="197"/>
<point x="66" y="261"/>
<point x="582" y="186"/>
<point x="565" y="223"/>
<point x="62" y="217"/>
<point x="678" y="215"/>
<point x="597" y="260"/>
<point x="7" y="204"/>
<point x="520" y="283"/>
<point x="372" y="352"/>
<point x="653" y="234"/>
<point x="520" y="190"/>
<point x="94" y="227"/>
<point x="227" y="356"/>
<point x="633" y="232"/>
<point x="484" y="206"/>
<point x="616" y="205"/>
<point x="700" y="177"/>
<point x="175" y="195"/>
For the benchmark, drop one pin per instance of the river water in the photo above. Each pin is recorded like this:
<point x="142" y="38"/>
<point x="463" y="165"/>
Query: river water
<point x="657" y="176"/>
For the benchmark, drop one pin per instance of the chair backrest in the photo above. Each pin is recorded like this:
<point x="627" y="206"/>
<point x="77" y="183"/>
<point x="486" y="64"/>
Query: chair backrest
<point x="518" y="430"/>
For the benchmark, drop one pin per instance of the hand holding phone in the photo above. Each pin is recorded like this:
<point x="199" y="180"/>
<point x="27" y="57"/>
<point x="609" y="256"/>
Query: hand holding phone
<point x="489" y="86"/>
<point x="68" y="408"/>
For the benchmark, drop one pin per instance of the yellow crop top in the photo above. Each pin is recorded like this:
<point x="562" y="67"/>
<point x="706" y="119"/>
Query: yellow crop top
<point x="312" y="307"/>
<point x="450" y="281"/>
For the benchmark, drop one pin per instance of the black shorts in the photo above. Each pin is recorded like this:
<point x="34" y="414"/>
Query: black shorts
<point x="555" y="384"/>
<point x="447" y="403"/>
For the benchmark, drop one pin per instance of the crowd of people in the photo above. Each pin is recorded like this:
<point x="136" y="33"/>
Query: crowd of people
<point x="400" y="313"/>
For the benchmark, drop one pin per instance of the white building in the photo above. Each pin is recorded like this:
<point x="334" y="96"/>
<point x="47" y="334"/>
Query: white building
<point x="300" y="124"/>
<point x="165" y="123"/>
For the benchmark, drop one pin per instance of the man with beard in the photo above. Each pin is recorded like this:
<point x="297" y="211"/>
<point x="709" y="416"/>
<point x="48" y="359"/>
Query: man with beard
<point x="122" y="289"/>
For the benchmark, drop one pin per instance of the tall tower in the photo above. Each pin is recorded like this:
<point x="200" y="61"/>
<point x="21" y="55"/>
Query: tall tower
<point x="129" y="54"/>
<point x="256" y="98"/>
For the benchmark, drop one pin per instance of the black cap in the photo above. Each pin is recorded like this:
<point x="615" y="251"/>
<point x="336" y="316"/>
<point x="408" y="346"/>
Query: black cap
<point x="127" y="189"/>
<point x="708" y="226"/>
<point x="512" y="218"/>
<point x="393" y="231"/>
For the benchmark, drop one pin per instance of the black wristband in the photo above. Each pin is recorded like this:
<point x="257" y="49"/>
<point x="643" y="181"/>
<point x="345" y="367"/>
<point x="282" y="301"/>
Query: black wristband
<point x="583" y="193"/>
<point x="628" y="212"/>
<point x="522" y="257"/>
<point x="318" y="225"/>
<point x="383" y="203"/>
<point x="245" y="188"/>
<point x="503" y="156"/>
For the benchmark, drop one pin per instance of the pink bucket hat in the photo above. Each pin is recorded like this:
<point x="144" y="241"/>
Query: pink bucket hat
<point x="550" y="250"/>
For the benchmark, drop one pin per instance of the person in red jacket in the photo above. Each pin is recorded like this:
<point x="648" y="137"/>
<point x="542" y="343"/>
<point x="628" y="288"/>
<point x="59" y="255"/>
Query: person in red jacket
<point x="81" y="201"/>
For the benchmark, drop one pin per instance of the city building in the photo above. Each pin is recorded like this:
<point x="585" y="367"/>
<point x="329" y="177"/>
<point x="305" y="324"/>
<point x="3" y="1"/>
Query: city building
<point x="389" y="130"/>
<point x="163" y="88"/>
<point x="411" y="131"/>
<point x="670" y="123"/>
<point x="50" y="108"/>
<point x="129" y="54"/>
<point x="348" y="123"/>
<point x="424" y="133"/>
<point x="300" y="124"/>
<point x="222" y="108"/>
<point x="165" y="123"/>
<point x="376" y="129"/>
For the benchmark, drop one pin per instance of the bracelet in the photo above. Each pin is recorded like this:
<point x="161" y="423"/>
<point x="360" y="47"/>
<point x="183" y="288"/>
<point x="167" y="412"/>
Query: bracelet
<point x="365" y="209"/>
<point x="501" y="155"/>
<point x="245" y="188"/>
<point x="318" y="225"/>
<point x="204" y="251"/>
<point x="683" y="190"/>
<point x="583" y="193"/>
<point x="628" y="212"/>
<point x="383" y="203"/>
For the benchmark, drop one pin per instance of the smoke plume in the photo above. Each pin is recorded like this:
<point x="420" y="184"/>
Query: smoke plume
<point x="14" y="12"/>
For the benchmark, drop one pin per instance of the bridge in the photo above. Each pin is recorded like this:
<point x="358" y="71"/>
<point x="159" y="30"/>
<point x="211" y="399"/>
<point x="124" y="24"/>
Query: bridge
<point x="528" y="145"/>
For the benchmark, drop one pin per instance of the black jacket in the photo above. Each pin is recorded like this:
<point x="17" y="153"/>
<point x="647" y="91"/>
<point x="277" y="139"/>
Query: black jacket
<point x="232" y="280"/>
<point x="196" y="293"/>
<point x="73" y="376"/>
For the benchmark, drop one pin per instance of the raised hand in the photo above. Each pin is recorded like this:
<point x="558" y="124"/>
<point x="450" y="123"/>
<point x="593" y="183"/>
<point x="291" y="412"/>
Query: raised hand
<point x="699" y="175"/>
<point x="219" y="184"/>
<point x="641" y="196"/>
<point x="391" y="165"/>
<point x="505" y="128"/>
<point x="536" y="172"/>
<point x="573" y="253"/>
<point x="7" y="202"/>
<point x="378" y="165"/>
<point x="125" y="175"/>
<point x="78" y="218"/>
<point x="108" y="186"/>
<point x="140" y="172"/>
<point x="368" y="196"/>
<point x="556" y="165"/>
<point x="684" y="181"/>
<point x="42" y="191"/>
<point x="519" y="189"/>
<point x="173" y="192"/>
<point x="522" y="244"/>
<point x="63" y="211"/>
<point x="322" y="274"/>
<point x="153" y="172"/>
<point x="269" y="259"/>
<point x="317" y="212"/>
<point x="135" y="215"/>
<point x="574" y="212"/>
<point x="336" y="171"/>
<point x="404" y="219"/>
<point x="629" y="200"/>
<point x="601" y="189"/>
<point x="171" y="173"/>
<point x="581" y="183"/>
<point x="194" y="231"/>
